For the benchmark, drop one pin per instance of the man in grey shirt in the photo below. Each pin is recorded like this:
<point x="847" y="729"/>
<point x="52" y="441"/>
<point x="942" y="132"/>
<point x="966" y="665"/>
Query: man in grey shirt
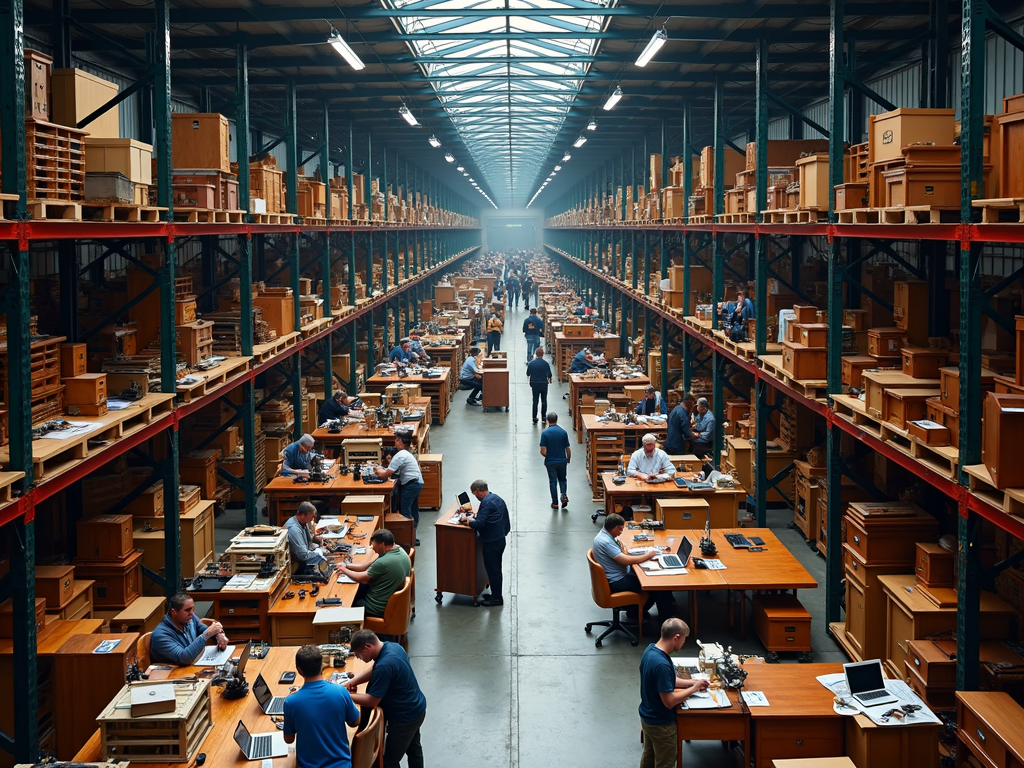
<point x="703" y="429"/>
<point x="306" y="554"/>
<point x="650" y="463"/>
<point x="618" y="567"/>
<point x="408" y="479"/>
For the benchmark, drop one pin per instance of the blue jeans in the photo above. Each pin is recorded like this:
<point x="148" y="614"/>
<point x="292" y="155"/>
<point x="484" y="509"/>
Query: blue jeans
<point x="532" y="342"/>
<point x="408" y="496"/>
<point x="556" y="479"/>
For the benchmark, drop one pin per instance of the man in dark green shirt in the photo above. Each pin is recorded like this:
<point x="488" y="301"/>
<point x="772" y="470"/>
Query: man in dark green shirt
<point x="379" y="578"/>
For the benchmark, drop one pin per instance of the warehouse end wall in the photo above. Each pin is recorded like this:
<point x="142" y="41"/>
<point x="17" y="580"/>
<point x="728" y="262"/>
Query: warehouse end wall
<point x="509" y="229"/>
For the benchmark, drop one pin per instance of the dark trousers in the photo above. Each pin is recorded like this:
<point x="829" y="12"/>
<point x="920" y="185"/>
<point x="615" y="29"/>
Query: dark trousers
<point x="493" y="341"/>
<point x="540" y="393"/>
<point x="403" y="739"/>
<point x="557" y="479"/>
<point x="702" y="448"/>
<point x="407" y="497"/>
<point x="513" y="298"/>
<point x="474" y="384"/>
<point x="661" y="598"/>
<point x="492" y="552"/>
<point x="532" y="342"/>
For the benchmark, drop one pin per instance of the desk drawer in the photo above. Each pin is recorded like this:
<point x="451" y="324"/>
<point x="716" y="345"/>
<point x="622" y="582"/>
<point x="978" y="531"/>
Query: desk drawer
<point x="982" y="740"/>
<point x="798" y="738"/>
<point x="238" y="608"/>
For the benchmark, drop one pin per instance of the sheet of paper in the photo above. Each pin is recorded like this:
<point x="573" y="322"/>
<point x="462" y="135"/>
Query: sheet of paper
<point x="713" y="564"/>
<point x="755" y="699"/>
<point x="707" y="700"/>
<point x="211" y="657"/>
<point x="106" y="646"/>
<point x="343" y="579"/>
<point x="241" y="581"/>
<point x="669" y="572"/>
<point x="77" y="429"/>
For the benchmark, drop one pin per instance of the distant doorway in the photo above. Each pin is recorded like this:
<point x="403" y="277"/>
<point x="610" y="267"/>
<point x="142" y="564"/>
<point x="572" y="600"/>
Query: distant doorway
<point x="509" y="234"/>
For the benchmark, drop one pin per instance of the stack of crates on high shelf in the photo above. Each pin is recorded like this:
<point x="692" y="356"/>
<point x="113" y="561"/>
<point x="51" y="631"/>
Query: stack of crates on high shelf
<point x="202" y="177"/>
<point x="673" y="204"/>
<point x="266" y="185"/>
<point x="312" y="196"/>
<point x="47" y="397"/>
<point x="206" y="430"/>
<point x="1005" y="192"/>
<point x="787" y="189"/>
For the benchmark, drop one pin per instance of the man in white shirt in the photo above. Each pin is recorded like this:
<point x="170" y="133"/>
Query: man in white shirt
<point x="408" y="479"/>
<point x="650" y="463"/>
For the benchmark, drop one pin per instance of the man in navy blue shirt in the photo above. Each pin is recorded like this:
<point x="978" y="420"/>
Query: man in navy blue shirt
<point x="314" y="712"/>
<point x="402" y="353"/>
<point x="533" y="329"/>
<point x="539" y="373"/>
<point x="652" y="403"/>
<point x="491" y="523"/>
<point x="180" y="636"/>
<point x="661" y="691"/>
<point x="393" y="686"/>
<point x="680" y="432"/>
<point x="554" y="447"/>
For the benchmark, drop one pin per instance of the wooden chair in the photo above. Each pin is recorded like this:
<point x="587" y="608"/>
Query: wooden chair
<point x="397" y="615"/>
<point x="605" y="598"/>
<point x="368" y="743"/>
<point x="412" y="561"/>
<point x="142" y="651"/>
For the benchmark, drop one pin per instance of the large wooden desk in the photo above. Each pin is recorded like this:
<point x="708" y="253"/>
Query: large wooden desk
<point x="607" y="442"/>
<point x="219" y="745"/>
<point x="448" y="354"/>
<point x="580" y="384"/>
<point x="566" y="348"/>
<point x="333" y="440"/>
<point x="438" y="390"/>
<point x="460" y="564"/>
<point x="731" y="724"/>
<point x="722" y="502"/>
<point x="284" y="494"/>
<point x="245" y="612"/>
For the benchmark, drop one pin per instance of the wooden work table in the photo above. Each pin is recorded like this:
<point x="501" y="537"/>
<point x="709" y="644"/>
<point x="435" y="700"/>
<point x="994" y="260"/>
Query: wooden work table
<point x="724" y="503"/>
<point x="608" y="441"/>
<point x="600" y="387"/>
<point x="219" y="745"/>
<point x="333" y="440"/>
<point x="566" y="348"/>
<point x="283" y="494"/>
<point x="460" y="565"/>
<point x="438" y="390"/>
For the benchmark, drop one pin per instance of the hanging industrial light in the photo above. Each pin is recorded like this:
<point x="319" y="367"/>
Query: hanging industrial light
<point x="433" y="141"/>
<point x="613" y="99"/>
<point x="449" y="157"/>
<point x="344" y="50"/>
<point x="460" y="169"/>
<point x="592" y="125"/>
<point x="566" y="157"/>
<point x="580" y="142"/>
<point x="408" y="116"/>
<point x="659" y="39"/>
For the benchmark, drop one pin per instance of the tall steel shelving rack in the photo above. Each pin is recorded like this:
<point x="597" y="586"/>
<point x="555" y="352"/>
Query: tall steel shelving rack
<point x="410" y="255"/>
<point x="581" y="250"/>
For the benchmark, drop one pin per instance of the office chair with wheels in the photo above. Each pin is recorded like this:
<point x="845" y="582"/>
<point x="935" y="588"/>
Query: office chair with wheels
<point x="396" y="617"/>
<point x="368" y="743"/>
<point x="412" y="575"/>
<point x="605" y="598"/>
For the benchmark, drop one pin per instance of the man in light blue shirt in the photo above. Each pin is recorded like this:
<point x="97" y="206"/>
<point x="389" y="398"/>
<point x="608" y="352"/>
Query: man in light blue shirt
<point x="650" y="463"/>
<point x="703" y="429"/>
<point x="296" y="457"/>
<point x="408" y="477"/>
<point x="180" y="636"/>
<point x="471" y="378"/>
<point x="314" y="713"/>
<point x="306" y="555"/>
<point x="618" y="567"/>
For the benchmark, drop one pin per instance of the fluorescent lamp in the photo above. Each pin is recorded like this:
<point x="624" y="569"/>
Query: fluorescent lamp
<point x="592" y="125"/>
<point x="408" y="116"/>
<point x="652" y="47"/>
<point x="345" y="51"/>
<point x="558" y="167"/>
<point x="580" y="142"/>
<point x="566" y="157"/>
<point x="460" y="169"/>
<point x="434" y="141"/>
<point x="613" y="99"/>
<point x="465" y="174"/>
<point x="449" y="157"/>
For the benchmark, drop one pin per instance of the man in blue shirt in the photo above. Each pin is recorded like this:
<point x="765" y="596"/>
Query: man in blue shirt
<point x="393" y="686"/>
<point x="661" y="692"/>
<point x="335" y="407"/>
<point x="533" y="329"/>
<point x="416" y="347"/>
<point x="402" y="353"/>
<point x="471" y="378"/>
<point x="703" y="429"/>
<point x="180" y="636"/>
<point x="491" y="523"/>
<point x="652" y="403"/>
<point x="539" y="373"/>
<point x="554" y="447"/>
<point x="513" y="287"/>
<point x="296" y="457"/>
<point x="582" y="362"/>
<point x="680" y="433"/>
<point x="617" y="565"/>
<point x="306" y="549"/>
<point x="314" y="714"/>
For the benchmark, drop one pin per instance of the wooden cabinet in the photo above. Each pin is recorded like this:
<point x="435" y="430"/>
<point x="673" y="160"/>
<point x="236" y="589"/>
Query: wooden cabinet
<point x="876" y="746"/>
<point x="80" y="604"/>
<point x="117" y="583"/>
<point x="881" y="539"/>
<point x="805" y="510"/>
<point x="105" y="537"/>
<point x="56" y="583"/>
<point x="990" y="732"/>
<point x="430" y="467"/>
<point x="495" y="394"/>
<point x="198" y="534"/>
<point x="200" y="141"/>
<point x="460" y="566"/>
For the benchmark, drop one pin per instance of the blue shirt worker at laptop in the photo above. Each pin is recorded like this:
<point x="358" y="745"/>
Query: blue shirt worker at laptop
<point x="313" y="713"/>
<point x="703" y="429"/>
<point x="650" y="463"/>
<point x="661" y="692"/>
<point x="305" y="550"/>
<point x="296" y="457"/>
<point x="491" y="523"/>
<point x="652" y="403"/>
<point x="617" y="565"/>
<point x="180" y="636"/>
<point x="392" y="685"/>
<point x="554" y="447"/>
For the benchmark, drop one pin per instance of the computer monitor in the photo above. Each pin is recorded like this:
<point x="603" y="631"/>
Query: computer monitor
<point x="464" y="501"/>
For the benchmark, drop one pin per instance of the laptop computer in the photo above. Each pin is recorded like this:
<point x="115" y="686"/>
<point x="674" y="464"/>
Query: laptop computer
<point x="244" y="659"/>
<point x="465" y="503"/>
<point x="259" y="746"/>
<point x="866" y="683"/>
<point x="680" y="558"/>
<point x="269" y="703"/>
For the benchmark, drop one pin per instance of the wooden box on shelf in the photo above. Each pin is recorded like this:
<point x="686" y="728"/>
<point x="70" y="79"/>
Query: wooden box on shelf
<point x="56" y="583"/>
<point x="853" y="369"/>
<point x="73" y="359"/>
<point x="889" y="132"/>
<point x="197" y="539"/>
<point x="929" y="431"/>
<point x="200" y="468"/>
<point x="1003" y="433"/>
<point x="903" y="405"/>
<point x="923" y="363"/>
<point x="910" y="310"/>
<point x="37" y="85"/>
<point x="886" y="343"/>
<point x="812" y="334"/>
<point x="132" y="158"/>
<point x="200" y="141"/>
<point x="87" y="389"/>
<point x="76" y="94"/>
<point x="117" y="583"/>
<point x="885" y="533"/>
<point x="804" y="363"/>
<point x="851" y="196"/>
<point x="7" y="617"/>
<point x="814" y="181"/>
<point x="934" y="565"/>
<point x="805" y="313"/>
<point x="105" y="537"/>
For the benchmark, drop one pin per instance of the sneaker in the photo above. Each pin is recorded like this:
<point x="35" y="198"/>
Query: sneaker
<point x="534" y="421"/>
<point x="554" y="505"/>
<point x="472" y="402"/>
<point x="492" y="601"/>
<point x="565" y="501"/>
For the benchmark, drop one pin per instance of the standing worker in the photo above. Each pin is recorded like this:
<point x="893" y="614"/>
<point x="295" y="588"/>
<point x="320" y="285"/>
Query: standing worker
<point x="494" y="326"/>
<point x="314" y="712"/>
<point x="680" y="432"/>
<point x="539" y="373"/>
<point x="703" y="429"/>
<point x="513" y="287"/>
<point x="492" y="525"/>
<point x="554" y="447"/>
<point x="533" y="329"/>
<point x="529" y="289"/>
<point x="408" y="479"/>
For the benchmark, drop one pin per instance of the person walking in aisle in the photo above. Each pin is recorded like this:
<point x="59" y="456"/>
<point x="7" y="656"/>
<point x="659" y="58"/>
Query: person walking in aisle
<point x="409" y="479"/>
<point x="491" y="523"/>
<point x="470" y="377"/>
<point x="513" y="287"/>
<point x="533" y="329"/>
<point x="313" y="714"/>
<point x="554" y="447"/>
<point x="539" y="373"/>
<point x="529" y="289"/>
<point x="494" y="326"/>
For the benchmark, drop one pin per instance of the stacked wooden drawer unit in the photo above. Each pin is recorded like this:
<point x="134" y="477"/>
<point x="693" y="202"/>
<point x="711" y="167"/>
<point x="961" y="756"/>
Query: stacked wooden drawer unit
<point x="430" y="467"/>
<point x="989" y="732"/>
<point x="805" y="346"/>
<point x="106" y="555"/>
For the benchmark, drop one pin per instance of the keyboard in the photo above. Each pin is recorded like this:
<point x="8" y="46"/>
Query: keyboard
<point x="276" y="706"/>
<point x="671" y="561"/>
<point x="872" y="695"/>
<point x="738" y="540"/>
<point x="261" y="747"/>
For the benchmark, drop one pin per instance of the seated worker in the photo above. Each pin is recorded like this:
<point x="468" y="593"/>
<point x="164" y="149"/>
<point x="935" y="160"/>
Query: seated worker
<point x="703" y="429"/>
<point x="402" y="353"/>
<point x="180" y="636"/>
<point x="296" y="457"/>
<point x="306" y="550"/>
<point x="314" y="714"/>
<point x="581" y="309"/>
<point x="470" y="377"/>
<point x="416" y="347"/>
<point x="650" y="463"/>
<point x="582" y="362"/>
<point x="335" y="407"/>
<point x="381" y="577"/>
<point x="652" y="403"/>
<point x="618" y="564"/>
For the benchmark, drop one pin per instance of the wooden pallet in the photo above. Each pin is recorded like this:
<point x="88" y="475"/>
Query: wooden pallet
<point x="313" y="328"/>
<point x="8" y="207"/>
<point x="313" y="221"/>
<point x="735" y="218"/>
<point x="1010" y="500"/>
<point x="805" y="216"/>
<point x="859" y="216"/>
<point x="213" y="379"/>
<point x="273" y="218"/>
<point x="701" y="326"/>
<point x="920" y="214"/>
<point x="96" y="211"/>
<point x="7" y="481"/>
<point x="811" y="389"/>
<point x="208" y="216"/>
<point x="945" y="460"/>
<point x="55" y="210"/>
<point x="702" y="219"/>
<point x="263" y="352"/>
<point x="744" y="349"/>
<point x="997" y="210"/>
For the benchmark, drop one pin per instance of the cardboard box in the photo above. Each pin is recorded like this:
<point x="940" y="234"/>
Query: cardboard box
<point x="1003" y="434"/>
<point x="889" y="132"/>
<point x="129" y="157"/>
<point x="804" y="363"/>
<point x="77" y="94"/>
<point x="105" y="537"/>
<point x="200" y="141"/>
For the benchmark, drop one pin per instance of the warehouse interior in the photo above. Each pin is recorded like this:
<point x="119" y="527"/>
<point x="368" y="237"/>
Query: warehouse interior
<point x="809" y="215"/>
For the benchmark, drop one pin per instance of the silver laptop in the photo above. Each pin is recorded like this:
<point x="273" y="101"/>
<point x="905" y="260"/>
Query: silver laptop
<point x="464" y="503"/>
<point x="270" y="704"/>
<point x="866" y="684"/>
<point x="243" y="659"/>
<point x="259" y="746"/>
<point x="680" y="558"/>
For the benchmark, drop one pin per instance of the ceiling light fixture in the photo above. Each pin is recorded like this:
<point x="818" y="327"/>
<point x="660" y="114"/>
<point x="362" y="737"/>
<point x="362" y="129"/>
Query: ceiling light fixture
<point x="408" y="116"/>
<point x="558" y="167"/>
<point x="580" y="142"/>
<point x="592" y="125"/>
<point x="344" y="50"/>
<point x="434" y="141"/>
<point x="460" y="169"/>
<point x="566" y="157"/>
<point x="659" y="39"/>
<point x="613" y="99"/>
<point x="449" y="157"/>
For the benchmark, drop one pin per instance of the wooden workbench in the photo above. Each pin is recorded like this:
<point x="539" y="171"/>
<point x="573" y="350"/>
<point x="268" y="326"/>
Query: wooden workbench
<point x="581" y="383"/>
<point x="566" y="348"/>
<point x="722" y="502"/>
<point x="438" y="390"/>
<point x="333" y="440"/>
<point x="283" y="494"/>
<point x="607" y="442"/>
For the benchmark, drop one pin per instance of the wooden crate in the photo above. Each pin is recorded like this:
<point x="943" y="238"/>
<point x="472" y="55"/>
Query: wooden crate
<point x="198" y="539"/>
<point x="200" y="141"/>
<point x="1002" y="434"/>
<point x="814" y="181"/>
<point x="37" y="84"/>
<point x="923" y="363"/>
<point x="782" y="623"/>
<point x="7" y="617"/>
<point x="200" y="468"/>
<point x="195" y="341"/>
<point x="86" y="389"/>
<point x="105" y="537"/>
<point x="76" y="94"/>
<point x="117" y="584"/>
<point x="352" y="506"/>
<point x="889" y="132"/>
<point x="73" y="359"/>
<point x="804" y="363"/>
<point x="165" y="738"/>
<point x="56" y="583"/>
<point x="55" y="161"/>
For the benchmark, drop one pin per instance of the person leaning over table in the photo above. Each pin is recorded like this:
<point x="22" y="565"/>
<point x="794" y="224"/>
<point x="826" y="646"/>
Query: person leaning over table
<point x="416" y="347"/>
<point x="180" y="636"/>
<point x="491" y="523"/>
<point x="314" y="713"/>
<point x="336" y="407"/>
<point x="652" y="403"/>
<point x="661" y="693"/>
<point x="680" y="431"/>
<point x="703" y="429"/>
<point x="296" y="457"/>
<point x="391" y="684"/>
<point x="402" y="352"/>
<point x="408" y="479"/>
<point x="617" y="565"/>
<point x="650" y="462"/>
<point x="381" y="577"/>
<point x="305" y="550"/>
<point x="582" y="362"/>
<point x="533" y="329"/>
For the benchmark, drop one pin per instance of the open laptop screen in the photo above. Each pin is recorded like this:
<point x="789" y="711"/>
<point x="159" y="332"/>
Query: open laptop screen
<point x="864" y="676"/>
<point x="464" y="500"/>
<point x="244" y="658"/>
<point x="242" y="738"/>
<point x="685" y="548"/>
<point x="261" y="691"/>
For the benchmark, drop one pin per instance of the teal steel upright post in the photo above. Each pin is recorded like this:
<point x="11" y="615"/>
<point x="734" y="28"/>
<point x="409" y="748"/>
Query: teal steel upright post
<point x="837" y="125"/>
<point x="384" y="247"/>
<point x="761" y="286"/>
<point x="162" y="110"/>
<point x="325" y="168"/>
<point x="687" y="162"/>
<point x="242" y="127"/>
<point x="687" y="247"/>
<point x="719" y="257"/>
<point x="292" y="152"/>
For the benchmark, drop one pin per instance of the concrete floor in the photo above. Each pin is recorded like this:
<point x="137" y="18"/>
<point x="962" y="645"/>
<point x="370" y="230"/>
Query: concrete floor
<point x="523" y="685"/>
